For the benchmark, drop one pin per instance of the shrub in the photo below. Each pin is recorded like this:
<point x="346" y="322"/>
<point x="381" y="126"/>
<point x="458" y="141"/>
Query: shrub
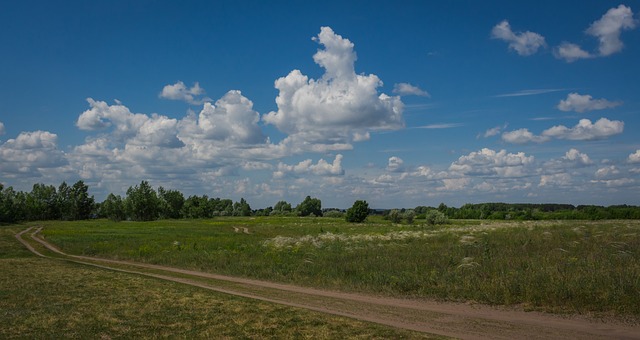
<point x="358" y="212"/>
<point x="333" y="214"/>
<point x="394" y="216"/>
<point x="436" y="217"/>
<point x="409" y="215"/>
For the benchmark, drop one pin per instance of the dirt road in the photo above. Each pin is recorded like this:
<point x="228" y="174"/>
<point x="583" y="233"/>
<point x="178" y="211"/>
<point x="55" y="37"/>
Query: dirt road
<point x="458" y="320"/>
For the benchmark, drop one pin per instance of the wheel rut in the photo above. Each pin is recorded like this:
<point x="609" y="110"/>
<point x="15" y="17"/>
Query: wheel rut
<point x="456" y="320"/>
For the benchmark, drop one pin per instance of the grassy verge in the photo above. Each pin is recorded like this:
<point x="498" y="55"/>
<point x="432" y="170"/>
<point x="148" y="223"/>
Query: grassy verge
<point x="46" y="298"/>
<point x="572" y="267"/>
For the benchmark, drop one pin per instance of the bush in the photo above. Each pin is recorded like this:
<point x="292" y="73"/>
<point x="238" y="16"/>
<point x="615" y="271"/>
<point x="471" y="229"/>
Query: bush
<point x="409" y="215"/>
<point x="333" y="214"/>
<point x="358" y="212"/>
<point x="394" y="216"/>
<point x="436" y="217"/>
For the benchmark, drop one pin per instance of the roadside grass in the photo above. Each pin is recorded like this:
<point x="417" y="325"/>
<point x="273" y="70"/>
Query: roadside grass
<point x="563" y="267"/>
<point x="47" y="298"/>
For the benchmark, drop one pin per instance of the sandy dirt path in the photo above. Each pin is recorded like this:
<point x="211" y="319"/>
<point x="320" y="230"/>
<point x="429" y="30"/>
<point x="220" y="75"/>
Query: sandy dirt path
<point x="457" y="320"/>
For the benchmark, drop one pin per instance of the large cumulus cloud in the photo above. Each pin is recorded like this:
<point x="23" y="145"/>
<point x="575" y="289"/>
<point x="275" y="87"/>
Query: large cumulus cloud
<point x="331" y="112"/>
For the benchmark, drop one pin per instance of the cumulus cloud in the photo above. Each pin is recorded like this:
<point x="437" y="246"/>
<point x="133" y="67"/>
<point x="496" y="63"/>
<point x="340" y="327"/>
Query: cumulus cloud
<point x="331" y="112"/>
<point x="454" y="184"/>
<point x="578" y="157"/>
<point x="405" y="89"/>
<point x="607" y="30"/>
<point x="582" y="103"/>
<point x="322" y="168"/>
<point x="231" y="118"/>
<point x="572" y="159"/>
<point x="609" y="27"/>
<point x="586" y="130"/>
<point x="102" y="116"/>
<point x="179" y="91"/>
<point x="524" y="43"/>
<point x="30" y="152"/>
<point x="492" y="163"/>
<point x="562" y="179"/>
<point x="522" y="136"/>
<point x="610" y="170"/>
<point x="395" y="164"/>
<point x="615" y="183"/>
<point x="570" y="52"/>
<point x="634" y="157"/>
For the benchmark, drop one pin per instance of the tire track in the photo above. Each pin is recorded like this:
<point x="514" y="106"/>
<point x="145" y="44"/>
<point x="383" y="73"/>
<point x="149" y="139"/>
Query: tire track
<point x="449" y="319"/>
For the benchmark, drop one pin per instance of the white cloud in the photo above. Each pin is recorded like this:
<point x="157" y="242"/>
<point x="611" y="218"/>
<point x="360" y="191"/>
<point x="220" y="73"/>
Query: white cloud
<point x="609" y="27"/>
<point x="179" y="91"/>
<point x="322" y="168"/>
<point x="607" y="171"/>
<point x="615" y="183"/>
<point x="492" y="163"/>
<point x="102" y="116"/>
<point x="522" y="136"/>
<point x="586" y="130"/>
<point x="454" y="184"/>
<point x="231" y="118"/>
<point x="30" y="152"/>
<point x="2" y="131"/>
<point x="607" y="30"/>
<point x="578" y="157"/>
<point x="524" y="43"/>
<point x="331" y="112"/>
<point x="634" y="157"/>
<point x="570" y="52"/>
<point x="395" y="164"/>
<point x="582" y="103"/>
<point x="562" y="179"/>
<point x="492" y="132"/>
<point x="531" y="92"/>
<point x="405" y="89"/>
<point x="439" y="126"/>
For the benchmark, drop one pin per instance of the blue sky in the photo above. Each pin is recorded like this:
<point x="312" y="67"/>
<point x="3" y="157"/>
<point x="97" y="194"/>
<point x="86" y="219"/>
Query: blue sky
<point x="399" y="103"/>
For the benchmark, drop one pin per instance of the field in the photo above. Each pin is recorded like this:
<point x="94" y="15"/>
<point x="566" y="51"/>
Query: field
<point x="47" y="298"/>
<point x="577" y="267"/>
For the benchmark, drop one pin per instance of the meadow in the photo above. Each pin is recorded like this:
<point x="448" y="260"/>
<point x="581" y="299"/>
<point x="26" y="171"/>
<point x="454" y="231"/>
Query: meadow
<point x="582" y="267"/>
<point x="49" y="298"/>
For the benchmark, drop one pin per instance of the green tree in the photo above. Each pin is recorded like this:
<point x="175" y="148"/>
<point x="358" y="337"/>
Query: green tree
<point x="142" y="202"/>
<point x="12" y="205"/>
<point x="171" y="203"/>
<point x="310" y="206"/>
<point x="358" y="212"/>
<point x="42" y="203"/>
<point x="281" y="208"/>
<point x="74" y="201"/>
<point x="241" y="208"/>
<point x="113" y="208"/>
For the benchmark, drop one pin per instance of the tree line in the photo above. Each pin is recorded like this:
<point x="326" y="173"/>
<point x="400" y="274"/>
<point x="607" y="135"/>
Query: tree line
<point x="143" y="203"/>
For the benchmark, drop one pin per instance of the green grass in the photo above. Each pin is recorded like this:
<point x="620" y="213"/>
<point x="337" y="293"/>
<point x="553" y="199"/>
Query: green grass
<point x="566" y="267"/>
<point x="47" y="298"/>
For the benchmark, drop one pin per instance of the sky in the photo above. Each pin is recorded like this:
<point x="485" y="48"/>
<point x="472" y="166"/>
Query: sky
<point x="399" y="103"/>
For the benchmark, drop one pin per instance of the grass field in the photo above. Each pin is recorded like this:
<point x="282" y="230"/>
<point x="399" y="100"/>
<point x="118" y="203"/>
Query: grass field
<point x="47" y="298"/>
<point x="565" y="267"/>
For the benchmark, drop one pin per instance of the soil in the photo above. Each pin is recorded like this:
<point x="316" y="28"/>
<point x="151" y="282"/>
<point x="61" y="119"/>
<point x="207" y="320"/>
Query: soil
<point x="459" y="320"/>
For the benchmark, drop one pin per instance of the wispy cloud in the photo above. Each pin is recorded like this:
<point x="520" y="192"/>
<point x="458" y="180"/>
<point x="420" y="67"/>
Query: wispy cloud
<point x="439" y="126"/>
<point x="532" y="92"/>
